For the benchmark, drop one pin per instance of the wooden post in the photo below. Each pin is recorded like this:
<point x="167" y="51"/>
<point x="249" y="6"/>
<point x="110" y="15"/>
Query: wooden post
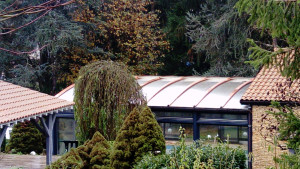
<point x="47" y="130"/>
<point x="2" y="134"/>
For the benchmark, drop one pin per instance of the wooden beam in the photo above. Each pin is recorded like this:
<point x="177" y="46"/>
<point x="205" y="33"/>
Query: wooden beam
<point x="2" y="134"/>
<point x="48" y="125"/>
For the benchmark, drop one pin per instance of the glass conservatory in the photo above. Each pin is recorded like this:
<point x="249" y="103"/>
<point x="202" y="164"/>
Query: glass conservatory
<point x="208" y="108"/>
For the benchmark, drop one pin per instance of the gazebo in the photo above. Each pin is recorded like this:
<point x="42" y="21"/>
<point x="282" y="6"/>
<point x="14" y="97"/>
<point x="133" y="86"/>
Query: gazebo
<point x="19" y="104"/>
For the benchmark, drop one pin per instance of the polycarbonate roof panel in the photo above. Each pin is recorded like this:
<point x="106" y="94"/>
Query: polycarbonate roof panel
<point x="175" y="91"/>
<point x="152" y="88"/>
<point x="191" y="97"/>
<point x="170" y="93"/>
<point x="219" y="96"/>
<point x="234" y="102"/>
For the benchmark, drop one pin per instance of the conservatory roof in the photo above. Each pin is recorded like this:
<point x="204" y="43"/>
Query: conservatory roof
<point x="19" y="103"/>
<point x="187" y="91"/>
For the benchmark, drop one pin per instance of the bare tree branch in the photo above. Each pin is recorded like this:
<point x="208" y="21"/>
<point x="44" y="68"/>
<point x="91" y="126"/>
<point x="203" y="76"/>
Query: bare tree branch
<point x="20" y="53"/>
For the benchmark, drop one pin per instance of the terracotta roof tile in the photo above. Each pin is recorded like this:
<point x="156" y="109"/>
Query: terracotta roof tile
<point x="18" y="102"/>
<point x="266" y="85"/>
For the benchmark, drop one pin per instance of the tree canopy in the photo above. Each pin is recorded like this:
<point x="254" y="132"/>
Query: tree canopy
<point x="280" y="19"/>
<point x="105" y="93"/>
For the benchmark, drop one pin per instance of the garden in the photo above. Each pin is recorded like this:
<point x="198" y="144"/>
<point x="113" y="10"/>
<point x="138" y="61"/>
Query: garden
<point x="101" y="46"/>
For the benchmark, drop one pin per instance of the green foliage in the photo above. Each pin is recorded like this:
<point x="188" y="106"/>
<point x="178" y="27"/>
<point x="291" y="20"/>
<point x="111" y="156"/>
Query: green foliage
<point x="139" y="135"/>
<point x="25" y="137"/>
<point x="281" y="19"/>
<point x="219" y="35"/>
<point x="94" y="154"/>
<point x="50" y="37"/>
<point x="105" y="93"/>
<point x="289" y="124"/>
<point x="288" y="161"/>
<point x="197" y="156"/>
<point x="153" y="162"/>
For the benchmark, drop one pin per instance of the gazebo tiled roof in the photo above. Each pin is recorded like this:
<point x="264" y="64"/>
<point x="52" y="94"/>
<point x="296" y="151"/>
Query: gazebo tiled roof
<point x="270" y="85"/>
<point x="19" y="103"/>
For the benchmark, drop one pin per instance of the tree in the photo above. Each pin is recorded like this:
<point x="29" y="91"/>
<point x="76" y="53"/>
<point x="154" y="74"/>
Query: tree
<point x="181" y="59"/>
<point x="25" y="137"/>
<point x="281" y="19"/>
<point x="51" y="36"/>
<point x="94" y="153"/>
<point x="105" y="93"/>
<point x="139" y="135"/>
<point x="219" y="35"/>
<point x="128" y="30"/>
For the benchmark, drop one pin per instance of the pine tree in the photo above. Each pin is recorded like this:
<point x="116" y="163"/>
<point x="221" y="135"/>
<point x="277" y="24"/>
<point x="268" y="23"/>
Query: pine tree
<point x="219" y="36"/>
<point x="139" y="135"/>
<point x="280" y="19"/>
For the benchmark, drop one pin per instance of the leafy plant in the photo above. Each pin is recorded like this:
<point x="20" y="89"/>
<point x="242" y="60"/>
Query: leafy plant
<point x="153" y="161"/>
<point x="196" y="156"/>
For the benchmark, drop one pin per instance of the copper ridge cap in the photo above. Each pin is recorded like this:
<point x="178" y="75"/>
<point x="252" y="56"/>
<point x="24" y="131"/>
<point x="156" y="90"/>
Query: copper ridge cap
<point x="166" y="85"/>
<point x="211" y="89"/>
<point x="188" y="87"/>
<point x="237" y="90"/>
<point x="150" y="81"/>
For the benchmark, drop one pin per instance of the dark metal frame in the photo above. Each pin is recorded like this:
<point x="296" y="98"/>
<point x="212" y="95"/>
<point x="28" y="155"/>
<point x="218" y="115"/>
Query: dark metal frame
<point x="66" y="114"/>
<point x="192" y="120"/>
<point x="2" y="134"/>
<point x="195" y="121"/>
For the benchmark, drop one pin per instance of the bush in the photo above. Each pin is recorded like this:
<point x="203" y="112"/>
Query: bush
<point x="153" y="162"/>
<point x="25" y="137"/>
<point x="139" y="135"/>
<point x="197" y="156"/>
<point x="94" y="153"/>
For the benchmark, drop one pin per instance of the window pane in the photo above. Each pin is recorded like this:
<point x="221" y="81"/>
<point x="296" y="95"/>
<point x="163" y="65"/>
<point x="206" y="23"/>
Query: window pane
<point x="174" y="114"/>
<point x="223" y="116"/>
<point x="66" y="131"/>
<point x="238" y="136"/>
<point x="171" y="132"/>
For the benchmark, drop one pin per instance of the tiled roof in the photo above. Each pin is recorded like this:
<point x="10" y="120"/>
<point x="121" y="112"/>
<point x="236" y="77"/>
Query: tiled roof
<point x="19" y="103"/>
<point x="270" y="85"/>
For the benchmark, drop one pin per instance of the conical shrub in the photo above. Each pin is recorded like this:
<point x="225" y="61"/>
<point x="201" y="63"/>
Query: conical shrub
<point x="139" y="135"/>
<point x="94" y="153"/>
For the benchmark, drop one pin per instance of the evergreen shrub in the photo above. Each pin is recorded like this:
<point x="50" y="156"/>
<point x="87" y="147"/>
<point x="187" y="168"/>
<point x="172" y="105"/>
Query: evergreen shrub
<point x="94" y="153"/>
<point x="139" y="135"/>
<point x="25" y="137"/>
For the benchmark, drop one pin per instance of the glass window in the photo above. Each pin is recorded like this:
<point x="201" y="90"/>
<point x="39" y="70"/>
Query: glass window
<point x="66" y="132"/>
<point x="171" y="132"/>
<point x="223" y="116"/>
<point x="174" y="114"/>
<point x="238" y="136"/>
